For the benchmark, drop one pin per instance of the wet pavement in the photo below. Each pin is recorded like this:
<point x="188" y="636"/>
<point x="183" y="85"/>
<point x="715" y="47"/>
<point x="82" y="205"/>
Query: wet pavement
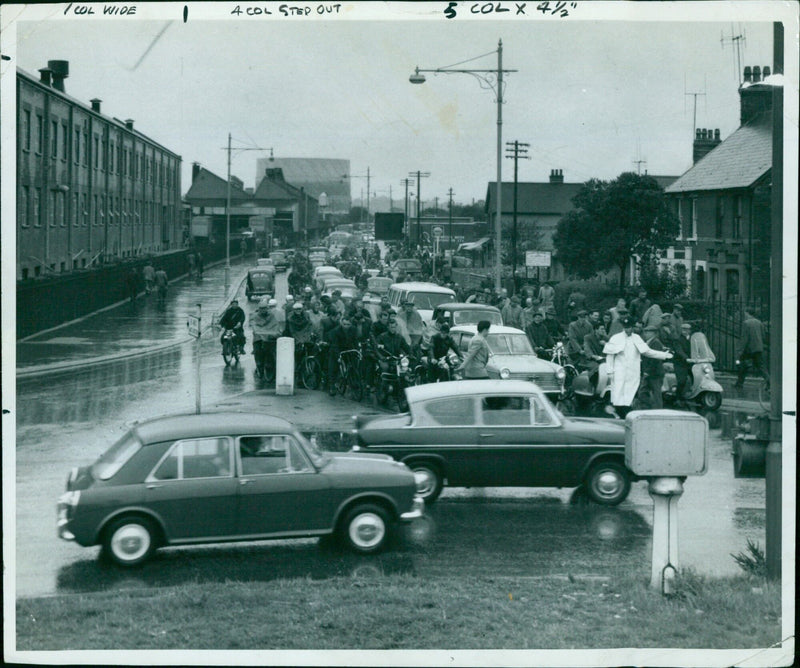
<point x="501" y="531"/>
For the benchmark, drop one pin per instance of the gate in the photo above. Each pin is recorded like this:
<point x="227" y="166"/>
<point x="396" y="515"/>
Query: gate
<point x="722" y="323"/>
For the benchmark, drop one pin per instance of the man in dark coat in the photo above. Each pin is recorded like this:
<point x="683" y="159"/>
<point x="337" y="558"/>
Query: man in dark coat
<point x="538" y="334"/>
<point x="751" y="349"/>
<point x="653" y="369"/>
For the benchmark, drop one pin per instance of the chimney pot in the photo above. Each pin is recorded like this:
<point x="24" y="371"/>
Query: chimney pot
<point x="129" y="123"/>
<point x="95" y="104"/>
<point x="748" y="74"/>
<point x="60" y="70"/>
<point x="767" y="71"/>
<point x="716" y="135"/>
<point x="697" y="134"/>
<point x="45" y="73"/>
<point x="756" y="74"/>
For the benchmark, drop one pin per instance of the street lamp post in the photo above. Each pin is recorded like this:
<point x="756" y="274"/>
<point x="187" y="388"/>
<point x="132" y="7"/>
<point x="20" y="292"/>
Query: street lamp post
<point x="496" y="85"/>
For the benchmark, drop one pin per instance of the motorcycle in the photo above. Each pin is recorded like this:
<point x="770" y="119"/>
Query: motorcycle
<point x="393" y="381"/>
<point x="705" y="390"/>
<point x="230" y="348"/>
<point x="441" y="369"/>
<point x="588" y="399"/>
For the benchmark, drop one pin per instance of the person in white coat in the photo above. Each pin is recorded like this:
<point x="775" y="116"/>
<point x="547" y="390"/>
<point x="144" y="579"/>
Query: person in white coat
<point x="623" y="353"/>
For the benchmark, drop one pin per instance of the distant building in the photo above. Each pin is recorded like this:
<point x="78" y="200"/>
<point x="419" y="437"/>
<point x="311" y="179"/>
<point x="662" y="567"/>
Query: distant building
<point x="315" y="176"/>
<point x="724" y="203"/>
<point x="90" y="188"/>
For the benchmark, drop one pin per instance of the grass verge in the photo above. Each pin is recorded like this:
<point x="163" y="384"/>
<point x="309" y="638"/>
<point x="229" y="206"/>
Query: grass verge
<point x="407" y="612"/>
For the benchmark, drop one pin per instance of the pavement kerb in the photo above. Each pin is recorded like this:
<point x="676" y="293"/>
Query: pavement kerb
<point x="58" y="367"/>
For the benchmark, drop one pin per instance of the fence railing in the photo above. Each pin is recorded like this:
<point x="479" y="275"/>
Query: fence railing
<point x="721" y="321"/>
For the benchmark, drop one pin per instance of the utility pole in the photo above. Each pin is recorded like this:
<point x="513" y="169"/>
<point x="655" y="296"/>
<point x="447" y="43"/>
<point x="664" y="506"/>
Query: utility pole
<point x="517" y="150"/>
<point x="406" y="183"/>
<point x="694" y="95"/>
<point x="639" y="160"/>
<point x="367" y="194"/>
<point x="450" y="224"/>
<point x="419" y="175"/>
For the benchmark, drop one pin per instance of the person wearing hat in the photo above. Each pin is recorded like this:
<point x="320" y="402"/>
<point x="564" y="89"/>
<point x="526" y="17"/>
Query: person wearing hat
<point x="653" y="369"/>
<point x="593" y="351"/>
<point x="410" y="324"/>
<point x="552" y="323"/>
<point x="676" y="320"/>
<point x="315" y="315"/>
<point x="512" y="313"/>
<point x="538" y="334"/>
<point x="233" y="319"/>
<point x="478" y="353"/>
<point x="266" y="330"/>
<point x="624" y="353"/>
<point x="618" y="313"/>
<point x="576" y="332"/>
<point x="298" y="326"/>
<point x="683" y="351"/>
<point x="336" y="300"/>
<point x="330" y="322"/>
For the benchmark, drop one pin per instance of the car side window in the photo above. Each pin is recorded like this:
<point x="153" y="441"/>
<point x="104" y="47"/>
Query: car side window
<point x="463" y="345"/>
<point x="506" y="411"/>
<point x="454" y="411"/>
<point x="196" y="458"/>
<point x="277" y="453"/>
<point x="541" y="416"/>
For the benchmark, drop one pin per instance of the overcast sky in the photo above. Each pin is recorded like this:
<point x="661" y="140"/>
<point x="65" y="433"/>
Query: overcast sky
<point x="592" y="93"/>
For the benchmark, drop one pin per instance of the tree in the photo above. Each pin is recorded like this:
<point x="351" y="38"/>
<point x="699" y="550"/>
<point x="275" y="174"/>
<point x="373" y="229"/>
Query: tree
<point x="613" y="222"/>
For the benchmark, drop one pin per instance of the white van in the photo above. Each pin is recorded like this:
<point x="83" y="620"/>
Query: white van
<point x="426" y="296"/>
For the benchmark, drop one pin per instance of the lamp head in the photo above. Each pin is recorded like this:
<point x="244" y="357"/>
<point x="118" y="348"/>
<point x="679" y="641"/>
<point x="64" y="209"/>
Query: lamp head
<point x="417" y="78"/>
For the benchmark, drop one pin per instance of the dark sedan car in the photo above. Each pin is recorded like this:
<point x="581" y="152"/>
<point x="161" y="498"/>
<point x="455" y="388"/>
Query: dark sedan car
<point x="218" y="477"/>
<point x="499" y="433"/>
<point x="462" y="313"/>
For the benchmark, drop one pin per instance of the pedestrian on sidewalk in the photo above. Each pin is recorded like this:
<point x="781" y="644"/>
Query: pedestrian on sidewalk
<point x="751" y="350"/>
<point x="161" y="282"/>
<point x="199" y="265"/>
<point x="149" y="275"/>
<point x="132" y="284"/>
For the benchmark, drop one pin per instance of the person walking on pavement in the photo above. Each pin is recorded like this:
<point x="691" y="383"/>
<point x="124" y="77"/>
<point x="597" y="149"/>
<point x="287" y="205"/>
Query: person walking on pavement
<point x="132" y="285"/>
<point x="162" y="282"/>
<point x="149" y="276"/>
<point x="751" y="350"/>
<point x="199" y="265"/>
<point x="623" y="353"/>
<point x="478" y="352"/>
<point x="653" y="369"/>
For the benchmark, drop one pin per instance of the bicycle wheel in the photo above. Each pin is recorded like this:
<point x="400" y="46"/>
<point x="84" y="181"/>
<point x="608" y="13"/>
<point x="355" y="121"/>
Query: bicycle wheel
<point x="340" y="384"/>
<point x="310" y="373"/>
<point x="354" y="384"/>
<point x="227" y="351"/>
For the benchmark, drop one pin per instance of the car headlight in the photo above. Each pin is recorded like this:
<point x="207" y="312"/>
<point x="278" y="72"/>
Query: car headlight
<point x="404" y="363"/>
<point x="505" y="373"/>
<point x="560" y="373"/>
<point x="69" y="498"/>
<point x="707" y="369"/>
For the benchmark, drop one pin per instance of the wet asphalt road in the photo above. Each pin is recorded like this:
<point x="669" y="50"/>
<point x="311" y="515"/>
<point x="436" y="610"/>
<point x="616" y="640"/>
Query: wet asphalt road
<point x="69" y="419"/>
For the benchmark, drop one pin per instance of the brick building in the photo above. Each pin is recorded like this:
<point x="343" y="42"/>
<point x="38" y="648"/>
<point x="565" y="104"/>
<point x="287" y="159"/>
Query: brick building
<point x="723" y="202"/>
<point x="90" y="188"/>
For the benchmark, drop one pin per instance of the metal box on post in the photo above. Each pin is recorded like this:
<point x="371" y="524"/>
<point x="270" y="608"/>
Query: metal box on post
<point x="666" y="443"/>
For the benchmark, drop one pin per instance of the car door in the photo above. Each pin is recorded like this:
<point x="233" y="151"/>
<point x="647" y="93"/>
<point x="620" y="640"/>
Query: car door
<point x="193" y="490"/>
<point x="280" y="492"/>
<point x="446" y="428"/>
<point x="520" y="442"/>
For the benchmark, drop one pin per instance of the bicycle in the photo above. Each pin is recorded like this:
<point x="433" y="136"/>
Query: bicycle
<point x="349" y="377"/>
<point x="230" y="349"/>
<point x="311" y="370"/>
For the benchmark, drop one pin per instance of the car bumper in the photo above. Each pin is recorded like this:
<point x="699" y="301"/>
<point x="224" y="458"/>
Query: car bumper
<point x="417" y="510"/>
<point x="62" y="524"/>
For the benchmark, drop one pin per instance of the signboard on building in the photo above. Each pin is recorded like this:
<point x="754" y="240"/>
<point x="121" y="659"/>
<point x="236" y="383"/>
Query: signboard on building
<point x="389" y="226"/>
<point x="537" y="258"/>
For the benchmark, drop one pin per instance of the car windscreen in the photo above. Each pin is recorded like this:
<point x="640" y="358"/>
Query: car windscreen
<point x="473" y="317"/>
<point x="429" y="300"/>
<point x="113" y="459"/>
<point x="317" y="455"/>
<point x="504" y="344"/>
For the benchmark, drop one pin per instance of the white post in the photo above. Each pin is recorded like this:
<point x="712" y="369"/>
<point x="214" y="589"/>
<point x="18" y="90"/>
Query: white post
<point x="665" y="493"/>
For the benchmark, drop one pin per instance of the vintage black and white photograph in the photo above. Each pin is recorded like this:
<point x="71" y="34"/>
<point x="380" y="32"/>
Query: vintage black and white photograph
<point x="505" y="291"/>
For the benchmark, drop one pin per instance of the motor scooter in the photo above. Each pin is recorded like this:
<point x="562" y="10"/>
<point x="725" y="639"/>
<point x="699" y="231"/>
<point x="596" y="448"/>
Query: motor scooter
<point x="591" y="400"/>
<point x="705" y="390"/>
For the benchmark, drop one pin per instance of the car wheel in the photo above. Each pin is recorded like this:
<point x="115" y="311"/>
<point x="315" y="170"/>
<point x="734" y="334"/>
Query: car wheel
<point x="366" y="529"/>
<point x="130" y="541"/>
<point x="712" y="400"/>
<point x="608" y="483"/>
<point x="430" y="482"/>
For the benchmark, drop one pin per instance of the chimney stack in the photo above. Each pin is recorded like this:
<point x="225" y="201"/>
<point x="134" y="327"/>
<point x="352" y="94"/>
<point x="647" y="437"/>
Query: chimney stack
<point x="195" y="170"/>
<point x="704" y="142"/>
<point x="556" y="176"/>
<point x="755" y="98"/>
<point x="129" y="123"/>
<point x="44" y="77"/>
<point x="95" y="104"/>
<point x="60" y="70"/>
<point x="275" y="174"/>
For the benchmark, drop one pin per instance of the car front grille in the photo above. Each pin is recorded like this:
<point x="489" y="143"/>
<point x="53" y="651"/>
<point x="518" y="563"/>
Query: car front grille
<point x="547" y="381"/>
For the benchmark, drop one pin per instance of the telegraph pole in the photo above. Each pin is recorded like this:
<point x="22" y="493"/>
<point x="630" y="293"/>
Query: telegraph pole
<point x="517" y="150"/>
<point x="406" y="183"/>
<point x="419" y="175"/>
<point x="450" y="224"/>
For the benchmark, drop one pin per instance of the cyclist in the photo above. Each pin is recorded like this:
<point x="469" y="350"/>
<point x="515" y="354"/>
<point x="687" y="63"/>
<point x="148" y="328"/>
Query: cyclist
<point x="234" y="318"/>
<point x="341" y="338"/>
<point x="266" y="330"/>
<point x="441" y="343"/>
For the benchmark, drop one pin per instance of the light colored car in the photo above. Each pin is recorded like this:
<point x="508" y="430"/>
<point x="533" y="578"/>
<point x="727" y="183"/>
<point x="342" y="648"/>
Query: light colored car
<point x="426" y="296"/>
<point x="221" y="477"/>
<point x="513" y="358"/>
<point x="499" y="433"/>
<point x="325" y="271"/>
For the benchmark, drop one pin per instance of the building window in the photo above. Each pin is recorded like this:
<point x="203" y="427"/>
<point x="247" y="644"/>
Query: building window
<point x="96" y="152"/>
<point x="39" y="133"/>
<point x="37" y="198"/>
<point x="51" y="208"/>
<point x="77" y="147"/>
<point x="737" y="218"/>
<point x="54" y="139"/>
<point x="74" y="210"/>
<point x="713" y="275"/>
<point x="85" y="149"/>
<point x="22" y="207"/>
<point x="700" y="283"/>
<point x="679" y="253"/>
<point x="84" y="210"/>
<point x="26" y="129"/>
<point x="120" y="160"/>
<point x="64" y="141"/>
<point x="732" y="283"/>
<point x="693" y="204"/>
<point x="720" y="218"/>
<point x="60" y="212"/>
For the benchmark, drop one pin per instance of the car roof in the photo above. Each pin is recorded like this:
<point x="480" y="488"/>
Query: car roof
<point x="495" y="329"/>
<point x="423" y="287"/>
<point x="455" y="388"/>
<point x="326" y="268"/>
<point x="407" y="259"/>
<point x="467" y="306"/>
<point x="193" y="425"/>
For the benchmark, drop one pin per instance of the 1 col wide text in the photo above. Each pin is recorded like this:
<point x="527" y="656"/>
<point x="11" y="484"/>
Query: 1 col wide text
<point x="114" y="10"/>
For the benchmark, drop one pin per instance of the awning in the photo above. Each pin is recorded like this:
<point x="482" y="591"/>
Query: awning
<point x="474" y="245"/>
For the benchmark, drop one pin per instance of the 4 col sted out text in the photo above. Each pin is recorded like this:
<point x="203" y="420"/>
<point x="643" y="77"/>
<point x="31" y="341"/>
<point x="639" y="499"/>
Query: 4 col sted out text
<point x="285" y="10"/>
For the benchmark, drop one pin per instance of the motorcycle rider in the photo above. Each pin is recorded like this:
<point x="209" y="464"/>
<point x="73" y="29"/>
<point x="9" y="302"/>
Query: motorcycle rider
<point x="441" y="343"/>
<point x="593" y="352"/>
<point x="410" y="322"/>
<point x="539" y="335"/>
<point x="234" y="318"/>
<point x="266" y="330"/>
<point x="391" y="342"/>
